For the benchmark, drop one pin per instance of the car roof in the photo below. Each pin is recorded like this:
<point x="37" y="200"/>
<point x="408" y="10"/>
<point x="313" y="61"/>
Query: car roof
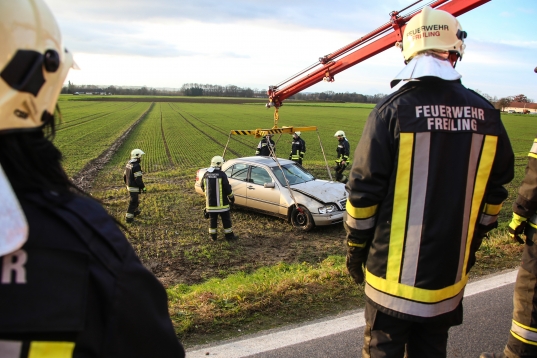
<point x="259" y="159"/>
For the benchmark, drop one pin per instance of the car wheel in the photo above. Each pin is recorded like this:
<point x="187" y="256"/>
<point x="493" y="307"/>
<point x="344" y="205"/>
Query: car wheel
<point x="302" y="220"/>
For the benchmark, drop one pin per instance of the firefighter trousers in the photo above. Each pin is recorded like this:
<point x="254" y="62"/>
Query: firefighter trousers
<point x="522" y="341"/>
<point x="339" y="173"/>
<point x="226" y="222"/>
<point x="386" y="336"/>
<point x="133" y="204"/>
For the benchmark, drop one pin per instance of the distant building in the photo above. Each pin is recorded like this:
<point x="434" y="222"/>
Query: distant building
<point x="521" y="107"/>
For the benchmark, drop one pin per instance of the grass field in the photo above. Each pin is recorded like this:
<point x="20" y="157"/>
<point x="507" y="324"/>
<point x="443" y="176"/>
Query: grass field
<point x="273" y="274"/>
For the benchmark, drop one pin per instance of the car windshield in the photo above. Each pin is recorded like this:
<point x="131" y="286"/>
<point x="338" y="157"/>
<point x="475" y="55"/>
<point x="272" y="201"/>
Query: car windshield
<point x="293" y="173"/>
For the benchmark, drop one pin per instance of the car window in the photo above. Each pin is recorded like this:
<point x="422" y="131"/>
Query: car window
<point x="293" y="173"/>
<point x="238" y="172"/>
<point x="259" y="176"/>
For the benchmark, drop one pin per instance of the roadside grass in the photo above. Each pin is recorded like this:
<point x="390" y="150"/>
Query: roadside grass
<point x="274" y="296"/>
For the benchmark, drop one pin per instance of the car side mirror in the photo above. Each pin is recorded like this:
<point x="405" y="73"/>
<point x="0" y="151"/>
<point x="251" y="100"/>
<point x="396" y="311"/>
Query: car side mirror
<point x="269" y="185"/>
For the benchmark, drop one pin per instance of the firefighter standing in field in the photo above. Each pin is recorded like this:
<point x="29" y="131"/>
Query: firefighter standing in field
<point x="342" y="161"/>
<point x="266" y="146"/>
<point x="132" y="176"/>
<point x="522" y="341"/>
<point x="71" y="284"/>
<point x="218" y="197"/>
<point x="425" y="187"/>
<point x="298" y="148"/>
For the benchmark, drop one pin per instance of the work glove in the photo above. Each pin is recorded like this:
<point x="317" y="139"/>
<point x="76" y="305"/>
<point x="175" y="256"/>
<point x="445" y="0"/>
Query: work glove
<point x="143" y="190"/>
<point x="232" y="199"/>
<point x="355" y="264"/>
<point x="516" y="227"/>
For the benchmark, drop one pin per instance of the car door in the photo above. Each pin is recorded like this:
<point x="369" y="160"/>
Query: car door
<point x="259" y="197"/>
<point x="238" y="179"/>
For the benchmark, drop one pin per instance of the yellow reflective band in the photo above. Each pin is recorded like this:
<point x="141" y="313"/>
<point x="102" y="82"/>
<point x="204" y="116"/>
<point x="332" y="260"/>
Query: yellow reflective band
<point x="533" y="155"/>
<point x="481" y="180"/>
<point x="527" y="328"/>
<point x="522" y="339"/>
<point x="491" y="209"/>
<point x="40" y="349"/>
<point x="353" y="244"/>
<point x="360" y="213"/>
<point x="414" y="293"/>
<point x="400" y="207"/>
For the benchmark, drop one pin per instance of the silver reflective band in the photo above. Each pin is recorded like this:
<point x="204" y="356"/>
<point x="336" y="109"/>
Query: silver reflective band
<point x="524" y="333"/>
<point x="360" y="224"/>
<point x="10" y="349"/>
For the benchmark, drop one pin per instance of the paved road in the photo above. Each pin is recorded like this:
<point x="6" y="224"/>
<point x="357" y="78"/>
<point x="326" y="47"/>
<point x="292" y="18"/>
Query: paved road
<point x="487" y="318"/>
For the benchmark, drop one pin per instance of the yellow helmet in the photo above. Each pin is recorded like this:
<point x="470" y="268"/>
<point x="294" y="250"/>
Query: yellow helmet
<point x="217" y="161"/>
<point x="433" y="30"/>
<point x="136" y="153"/>
<point x="33" y="64"/>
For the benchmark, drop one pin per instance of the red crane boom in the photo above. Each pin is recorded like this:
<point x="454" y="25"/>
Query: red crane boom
<point x="365" y="47"/>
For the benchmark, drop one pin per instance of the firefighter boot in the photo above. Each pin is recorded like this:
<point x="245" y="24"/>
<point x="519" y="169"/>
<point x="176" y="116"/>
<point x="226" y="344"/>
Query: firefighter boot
<point x="213" y="237"/>
<point x="137" y="212"/>
<point x="492" y="355"/>
<point x="231" y="236"/>
<point x="129" y="220"/>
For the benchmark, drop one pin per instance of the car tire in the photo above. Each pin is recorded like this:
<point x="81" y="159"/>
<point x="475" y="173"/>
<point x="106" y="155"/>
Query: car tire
<point x="302" y="220"/>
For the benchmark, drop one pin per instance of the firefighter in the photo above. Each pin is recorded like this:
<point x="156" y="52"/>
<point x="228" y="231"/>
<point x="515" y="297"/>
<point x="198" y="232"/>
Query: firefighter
<point x="266" y="146"/>
<point x="298" y="148"/>
<point x="426" y="185"/>
<point x="342" y="161"/>
<point x="72" y="285"/>
<point x="132" y="176"/>
<point x="522" y="340"/>
<point x="218" y="197"/>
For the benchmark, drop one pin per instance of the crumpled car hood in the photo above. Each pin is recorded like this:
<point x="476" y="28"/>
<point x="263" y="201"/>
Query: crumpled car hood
<point x="322" y="190"/>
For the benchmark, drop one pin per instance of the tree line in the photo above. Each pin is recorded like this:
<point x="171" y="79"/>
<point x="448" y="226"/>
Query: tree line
<point x="197" y="89"/>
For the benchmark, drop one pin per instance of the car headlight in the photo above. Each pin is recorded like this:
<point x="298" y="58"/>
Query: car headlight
<point x="329" y="208"/>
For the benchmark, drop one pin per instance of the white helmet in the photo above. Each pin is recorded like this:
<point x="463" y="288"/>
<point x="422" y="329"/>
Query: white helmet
<point x="136" y="154"/>
<point x="33" y="64"/>
<point x="217" y="161"/>
<point x="433" y="29"/>
<point x="339" y="133"/>
<point x="298" y="133"/>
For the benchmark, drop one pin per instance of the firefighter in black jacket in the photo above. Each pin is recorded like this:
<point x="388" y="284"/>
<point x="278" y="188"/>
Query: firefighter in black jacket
<point x="342" y="161"/>
<point x="522" y="341"/>
<point x="425" y="187"/>
<point x="266" y="146"/>
<point x="71" y="284"/>
<point x="298" y="148"/>
<point x="132" y="176"/>
<point x="218" y="197"/>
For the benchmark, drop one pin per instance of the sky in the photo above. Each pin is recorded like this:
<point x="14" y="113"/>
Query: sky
<point x="254" y="43"/>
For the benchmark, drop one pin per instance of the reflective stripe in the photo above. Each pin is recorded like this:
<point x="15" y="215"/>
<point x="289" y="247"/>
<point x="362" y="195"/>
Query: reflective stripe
<point x="360" y="213"/>
<point x="129" y="215"/>
<point x="360" y="218"/>
<point x="483" y="174"/>
<point x="488" y="219"/>
<point x="360" y="224"/>
<point x="491" y="209"/>
<point x="40" y="349"/>
<point x="212" y="231"/>
<point x="10" y="349"/>
<point x="475" y="149"/>
<point x="414" y="293"/>
<point x="353" y="244"/>
<point x="228" y="231"/>
<point x="524" y="333"/>
<point x="412" y="307"/>
<point x="399" y="214"/>
<point x="137" y="174"/>
<point x="417" y="206"/>
<point x="133" y="189"/>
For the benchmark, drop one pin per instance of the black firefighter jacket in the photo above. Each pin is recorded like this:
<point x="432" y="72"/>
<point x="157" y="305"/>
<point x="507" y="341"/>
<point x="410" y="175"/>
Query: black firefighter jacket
<point x="133" y="176"/>
<point x="217" y="190"/>
<point x="77" y="289"/>
<point x="426" y="182"/>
